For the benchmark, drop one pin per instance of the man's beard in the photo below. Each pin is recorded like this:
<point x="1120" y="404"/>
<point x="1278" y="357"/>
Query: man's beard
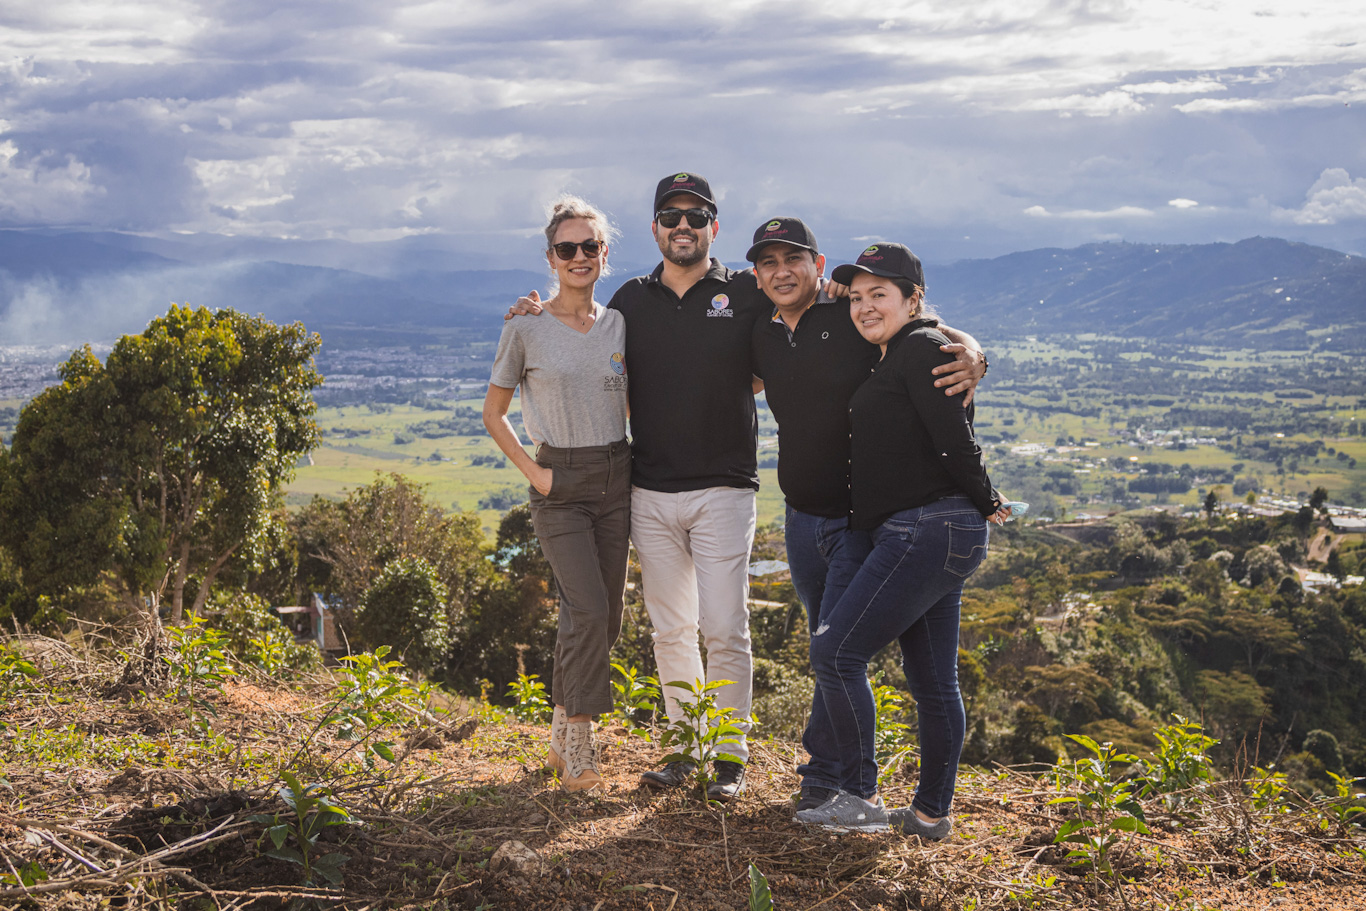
<point x="689" y="257"/>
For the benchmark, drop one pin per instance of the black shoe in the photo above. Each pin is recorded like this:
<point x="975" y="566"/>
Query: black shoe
<point x="813" y="797"/>
<point x="730" y="781"/>
<point x="673" y="775"/>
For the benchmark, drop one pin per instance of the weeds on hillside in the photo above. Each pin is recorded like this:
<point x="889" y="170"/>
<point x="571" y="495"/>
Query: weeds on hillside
<point x="426" y="839"/>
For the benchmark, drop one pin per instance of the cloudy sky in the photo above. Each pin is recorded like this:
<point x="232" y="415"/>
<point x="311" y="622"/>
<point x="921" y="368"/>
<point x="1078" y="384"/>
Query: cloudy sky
<point x="963" y="129"/>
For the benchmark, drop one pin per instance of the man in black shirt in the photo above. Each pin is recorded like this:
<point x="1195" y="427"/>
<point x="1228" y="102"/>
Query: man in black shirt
<point x="694" y="471"/>
<point x="811" y="358"/>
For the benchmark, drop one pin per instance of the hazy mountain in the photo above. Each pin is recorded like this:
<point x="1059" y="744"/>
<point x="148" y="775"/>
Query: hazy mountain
<point x="1259" y="292"/>
<point x="70" y="287"/>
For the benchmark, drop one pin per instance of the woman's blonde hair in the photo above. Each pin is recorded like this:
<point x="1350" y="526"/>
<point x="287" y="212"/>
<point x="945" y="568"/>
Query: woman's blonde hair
<point x="569" y="206"/>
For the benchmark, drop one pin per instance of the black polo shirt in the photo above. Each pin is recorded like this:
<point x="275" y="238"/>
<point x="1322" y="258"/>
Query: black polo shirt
<point x="693" y="424"/>
<point x="809" y="374"/>
<point x="911" y="444"/>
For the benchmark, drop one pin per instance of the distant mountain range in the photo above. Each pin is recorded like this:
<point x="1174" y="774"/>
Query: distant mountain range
<point x="1262" y="292"/>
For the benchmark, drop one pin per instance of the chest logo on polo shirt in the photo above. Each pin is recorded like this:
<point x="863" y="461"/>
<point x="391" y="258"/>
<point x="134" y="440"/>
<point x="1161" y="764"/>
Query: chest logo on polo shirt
<point x="616" y="380"/>
<point x="720" y="306"/>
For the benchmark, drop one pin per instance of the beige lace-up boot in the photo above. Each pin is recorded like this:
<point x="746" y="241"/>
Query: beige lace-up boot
<point x="580" y="758"/>
<point x="555" y="758"/>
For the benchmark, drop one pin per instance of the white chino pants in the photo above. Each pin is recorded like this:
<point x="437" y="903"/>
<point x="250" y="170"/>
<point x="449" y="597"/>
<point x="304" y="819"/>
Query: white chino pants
<point x="694" y="564"/>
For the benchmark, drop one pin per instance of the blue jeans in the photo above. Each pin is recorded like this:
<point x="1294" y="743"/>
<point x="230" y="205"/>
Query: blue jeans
<point x="822" y="555"/>
<point x="909" y="589"/>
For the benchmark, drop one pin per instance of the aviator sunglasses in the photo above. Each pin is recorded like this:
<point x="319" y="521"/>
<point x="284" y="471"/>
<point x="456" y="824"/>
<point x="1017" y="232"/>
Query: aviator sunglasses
<point x="697" y="218"/>
<point x="566" y="250"/>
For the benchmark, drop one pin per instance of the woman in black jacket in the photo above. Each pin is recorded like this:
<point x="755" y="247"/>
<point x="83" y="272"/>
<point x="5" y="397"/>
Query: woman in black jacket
<point x="919" y="487"/>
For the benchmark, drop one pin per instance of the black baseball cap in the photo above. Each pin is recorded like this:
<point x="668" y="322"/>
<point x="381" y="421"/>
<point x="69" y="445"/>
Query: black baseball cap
<point x="684" y="182"/>
<point x="791" y="231"/>
<point x="886" y="260"/>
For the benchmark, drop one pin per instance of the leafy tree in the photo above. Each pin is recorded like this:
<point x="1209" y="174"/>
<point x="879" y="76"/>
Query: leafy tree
<point x="1211" y="503"/>
<point x="1318" y="498"/>
<point x="1333" y="565"/>
<point x="406" y="609"/>
<point x="345" y="546"/>
<point x="162" y="464"/>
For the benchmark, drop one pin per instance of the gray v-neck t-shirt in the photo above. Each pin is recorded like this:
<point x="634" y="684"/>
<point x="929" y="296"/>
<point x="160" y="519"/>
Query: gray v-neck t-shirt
<point x="573" y="383"/>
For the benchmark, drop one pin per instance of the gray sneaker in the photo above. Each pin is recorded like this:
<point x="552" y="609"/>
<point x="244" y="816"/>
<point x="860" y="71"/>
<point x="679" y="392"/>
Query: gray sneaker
<point x="847" y="813"/>
<point x="903" y="819"/>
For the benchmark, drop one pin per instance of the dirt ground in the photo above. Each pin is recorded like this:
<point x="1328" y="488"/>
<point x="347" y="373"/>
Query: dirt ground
<point x="139" y="802"/>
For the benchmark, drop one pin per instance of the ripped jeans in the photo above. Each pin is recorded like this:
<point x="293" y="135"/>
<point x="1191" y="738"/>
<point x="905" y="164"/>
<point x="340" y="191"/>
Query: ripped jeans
<point x="909" y="589"/>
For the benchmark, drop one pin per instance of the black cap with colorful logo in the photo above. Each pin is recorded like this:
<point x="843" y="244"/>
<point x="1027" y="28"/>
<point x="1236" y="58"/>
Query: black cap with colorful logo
<point x="791" y="231"/>
<point x="684" y="182"/>
<point x="886" y="260"/>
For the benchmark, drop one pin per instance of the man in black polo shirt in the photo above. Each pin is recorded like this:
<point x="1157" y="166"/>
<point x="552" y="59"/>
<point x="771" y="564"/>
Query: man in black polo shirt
<point x="694" y="472"/>
<point x="811" y="358"/>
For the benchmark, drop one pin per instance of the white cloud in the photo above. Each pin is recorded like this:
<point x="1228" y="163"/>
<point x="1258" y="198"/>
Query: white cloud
<point x="1333" y="92"/>
<point x="1104" y="105"/>
<point x="1334" y="197"/>
<point x="1179" y="87"/>
<point x="363" y="120"/>
<point x="1090" y="214"/>
<point x="1182" y="203"/>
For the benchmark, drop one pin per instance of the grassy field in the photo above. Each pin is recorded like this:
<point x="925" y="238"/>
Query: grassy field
<point x="361" y="440"/>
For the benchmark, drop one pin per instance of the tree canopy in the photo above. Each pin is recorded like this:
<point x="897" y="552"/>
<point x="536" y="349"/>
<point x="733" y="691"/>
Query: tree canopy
<point x="154" y="469"/>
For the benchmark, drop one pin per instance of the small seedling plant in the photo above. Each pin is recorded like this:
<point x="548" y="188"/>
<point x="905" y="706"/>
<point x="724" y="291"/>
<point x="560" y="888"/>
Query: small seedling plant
<point x="268" y="653"/>
<point x="1107" y="810"/>
<point x="703" y="729"/>
<point x="17" y="673"/>
<point x="1181" y="765"/>
<point x="1269" y="790"/>
<point x="529" y="702"/>
<point x="760" y="896"/>
<point x="198" y="659"/>
<point x="294" y="836"/>
<point x="371" y="700"/>
<point x="1346" y="806"/>
<point x="635" y="693"/>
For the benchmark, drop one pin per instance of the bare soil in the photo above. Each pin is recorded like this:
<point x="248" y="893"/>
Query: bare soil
<point x="470" y="820"/>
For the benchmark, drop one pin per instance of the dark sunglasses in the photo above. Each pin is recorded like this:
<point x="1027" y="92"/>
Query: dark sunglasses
<point x="566" y="250"/>
<point x="697" y="218"/>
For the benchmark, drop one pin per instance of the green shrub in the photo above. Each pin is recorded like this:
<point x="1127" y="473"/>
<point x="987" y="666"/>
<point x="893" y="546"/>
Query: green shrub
<point x="782" y="699"/>
<point x="1323" y="746"/>
<point x="406" y="609"/>
<point x="256" y="636"/>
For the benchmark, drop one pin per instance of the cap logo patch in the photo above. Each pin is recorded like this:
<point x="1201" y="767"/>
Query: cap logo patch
<point x="681" y="178"/>
<point x="720" y="302"/>
<point x="618" y="364"/>
<point x="773" y="226"/>
<point x="870" y="251"/>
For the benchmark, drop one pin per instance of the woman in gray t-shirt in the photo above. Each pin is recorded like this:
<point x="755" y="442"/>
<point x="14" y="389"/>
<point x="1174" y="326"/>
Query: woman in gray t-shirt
<point x="570" y="363"/>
